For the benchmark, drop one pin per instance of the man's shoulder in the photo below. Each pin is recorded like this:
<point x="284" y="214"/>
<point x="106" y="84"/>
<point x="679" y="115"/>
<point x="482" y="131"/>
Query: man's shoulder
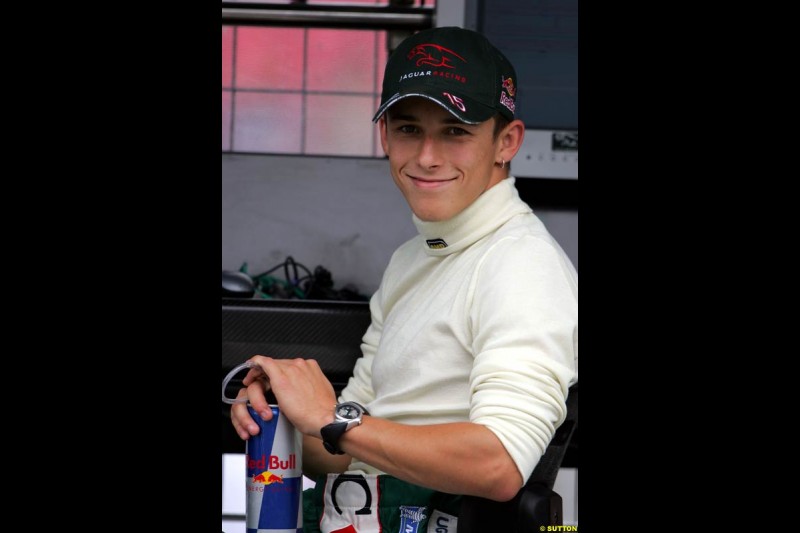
<point x="525" y="226"/>
<point x="524" y="238"/>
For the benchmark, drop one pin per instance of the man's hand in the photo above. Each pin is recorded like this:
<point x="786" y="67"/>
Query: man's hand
<point x="303" y="392"/>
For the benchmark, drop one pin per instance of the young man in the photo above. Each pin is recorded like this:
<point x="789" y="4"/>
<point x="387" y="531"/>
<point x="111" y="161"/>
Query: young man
<point x="474" y="336"/>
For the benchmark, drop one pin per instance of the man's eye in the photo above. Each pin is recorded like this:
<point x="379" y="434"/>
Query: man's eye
<point x="457" y="131"/>
<point x="407" y="128"/>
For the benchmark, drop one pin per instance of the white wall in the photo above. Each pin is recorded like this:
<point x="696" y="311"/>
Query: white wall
<point x="342" y="213"/>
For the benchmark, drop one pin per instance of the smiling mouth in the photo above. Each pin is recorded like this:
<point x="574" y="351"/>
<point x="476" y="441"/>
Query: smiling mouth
<point x="429" y="184"/>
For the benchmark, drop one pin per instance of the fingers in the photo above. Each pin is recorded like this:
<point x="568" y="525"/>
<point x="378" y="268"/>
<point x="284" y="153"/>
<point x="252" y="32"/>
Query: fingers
<point x="299" y="386"/>
<point x="243" y="423"/>
<point x="255" y="395"/>
<point x="254" y="373"/>
<point x="258" y="401"/>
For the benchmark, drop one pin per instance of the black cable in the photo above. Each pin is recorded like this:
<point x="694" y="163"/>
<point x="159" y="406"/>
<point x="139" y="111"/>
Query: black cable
<point x="294" y="280"/>
<point x="289" y="260"/>
<point x="305" y="268"/>
<point x="295" y="264"/>
<point x="291" y="278"/>
<point x="309" y="286"/>
<point x="271" y="270"/>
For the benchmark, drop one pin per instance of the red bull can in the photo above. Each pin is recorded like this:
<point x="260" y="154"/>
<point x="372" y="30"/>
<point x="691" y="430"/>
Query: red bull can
<point x="274" y="476"/>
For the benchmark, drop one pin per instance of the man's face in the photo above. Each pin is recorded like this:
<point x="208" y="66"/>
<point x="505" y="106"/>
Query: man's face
<point x="440" y="164"/>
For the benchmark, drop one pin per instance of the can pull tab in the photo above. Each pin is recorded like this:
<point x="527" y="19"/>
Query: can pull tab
<point x="225" y="399"/>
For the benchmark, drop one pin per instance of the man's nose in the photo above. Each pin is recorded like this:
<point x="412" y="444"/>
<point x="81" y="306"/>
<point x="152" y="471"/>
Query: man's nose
<point x="430" y="154"/>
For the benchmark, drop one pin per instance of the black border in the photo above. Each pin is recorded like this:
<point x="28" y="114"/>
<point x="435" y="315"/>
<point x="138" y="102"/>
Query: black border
<point x="548" y="193"/>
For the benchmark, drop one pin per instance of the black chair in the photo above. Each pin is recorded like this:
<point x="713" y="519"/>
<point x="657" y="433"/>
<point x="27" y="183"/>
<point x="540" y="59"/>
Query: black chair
<point x="536" y="504"/>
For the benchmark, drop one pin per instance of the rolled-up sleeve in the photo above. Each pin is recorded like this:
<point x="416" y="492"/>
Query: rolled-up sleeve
<point x="524" y="319"/>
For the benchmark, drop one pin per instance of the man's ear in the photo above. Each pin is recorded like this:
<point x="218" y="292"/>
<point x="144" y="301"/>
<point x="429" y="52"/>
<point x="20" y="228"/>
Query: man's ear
<point x="510" y="141"/>
<point x="384" y="142"/>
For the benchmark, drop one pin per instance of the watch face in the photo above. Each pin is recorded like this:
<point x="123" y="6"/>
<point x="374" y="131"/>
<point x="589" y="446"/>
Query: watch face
<point x="347" y="411"/>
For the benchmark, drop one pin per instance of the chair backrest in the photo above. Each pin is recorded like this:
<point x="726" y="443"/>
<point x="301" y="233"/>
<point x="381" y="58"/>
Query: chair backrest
<point x="547" y="468"/>
<point x="536" y="505"/>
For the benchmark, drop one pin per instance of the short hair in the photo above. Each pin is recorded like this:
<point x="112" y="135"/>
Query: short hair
<point x="500" y="122"/>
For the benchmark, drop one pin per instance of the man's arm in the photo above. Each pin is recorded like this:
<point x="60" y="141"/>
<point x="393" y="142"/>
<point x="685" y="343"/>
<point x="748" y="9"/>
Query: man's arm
<point x="318" y="461"/>
<point x="457" y="458"/>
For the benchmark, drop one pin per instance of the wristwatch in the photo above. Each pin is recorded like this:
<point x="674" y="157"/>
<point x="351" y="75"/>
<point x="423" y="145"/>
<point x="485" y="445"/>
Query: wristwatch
<point x="346" y="415"/>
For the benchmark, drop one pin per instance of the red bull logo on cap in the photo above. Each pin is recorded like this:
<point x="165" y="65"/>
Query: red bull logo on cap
<point x="508" y="85"/>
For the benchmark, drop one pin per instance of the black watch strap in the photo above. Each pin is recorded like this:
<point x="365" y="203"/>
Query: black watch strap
<point x="331" y="435"/>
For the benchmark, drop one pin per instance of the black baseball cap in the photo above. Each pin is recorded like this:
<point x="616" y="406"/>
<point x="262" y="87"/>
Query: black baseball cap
<point x="458" y="69"/>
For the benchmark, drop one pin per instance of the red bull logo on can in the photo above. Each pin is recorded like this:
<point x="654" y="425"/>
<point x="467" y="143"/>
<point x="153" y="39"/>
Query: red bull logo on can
<point x="267" y="478"/>
<point x="261" y="474"/>
<point x="273" y="463"/>
<point x="274" y="482"/>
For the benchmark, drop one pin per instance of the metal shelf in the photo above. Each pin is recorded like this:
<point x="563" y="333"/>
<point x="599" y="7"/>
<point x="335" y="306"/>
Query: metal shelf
<point x="328" y="16"/>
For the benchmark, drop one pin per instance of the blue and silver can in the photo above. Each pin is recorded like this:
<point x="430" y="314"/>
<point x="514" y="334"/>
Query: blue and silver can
<point x="274" y="476"/>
